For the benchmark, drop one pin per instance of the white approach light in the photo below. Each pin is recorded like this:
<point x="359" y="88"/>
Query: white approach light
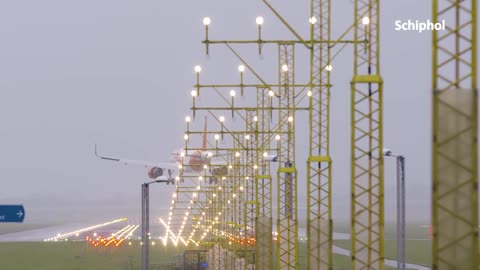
<point x="207" y="20"/>
<point x="309" y="93"/>
<point x="271" y="93"/>
<point x="185" y="137"/>
<point x="312" y="20"/>
<point x="209" y="154"/>
<point x="290" y="119"/>
<point x="187" y="119"/>
<point x="194" y="93"/>
<point x="222" y="118"/>
<point x="255" y="118"/>
<point x="237" y="154"/>
<point x="285" y="68"/>
<point x="259" y="20"/>
<point x="217" y="137"/>
<point x="329" y="67"/>
<point x="198" y="68"/>
<point x="365" y="20"/>
<point x="232" y="93"/>
<point x="241" y="68"/>
<point x="247" y="137"/>
<point x="277" y="137"/>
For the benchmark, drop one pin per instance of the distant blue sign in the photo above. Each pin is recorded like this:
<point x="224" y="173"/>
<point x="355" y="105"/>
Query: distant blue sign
<point x="204" y="265"/>
<point x="12" y="213"/>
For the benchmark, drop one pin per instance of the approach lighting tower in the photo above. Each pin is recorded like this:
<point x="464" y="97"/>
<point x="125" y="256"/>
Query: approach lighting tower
<point x="455" y="135"/>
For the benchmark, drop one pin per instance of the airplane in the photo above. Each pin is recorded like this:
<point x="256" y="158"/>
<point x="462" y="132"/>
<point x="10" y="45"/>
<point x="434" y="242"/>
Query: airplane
<point x="196" y="162"/>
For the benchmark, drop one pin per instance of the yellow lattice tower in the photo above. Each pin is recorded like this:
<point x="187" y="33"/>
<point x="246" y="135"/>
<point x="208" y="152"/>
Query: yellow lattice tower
<point x="287" y="223"/>
<point x="221" y="223"/>
<point x="367" y="141"/>
<point x="257" y="201"/>
<point x="240" y="202"/>
<point x="251" y="159"/>
<point x="242" y="169"/>
<point x="197" y="196"/>
<point x="319" y="164"/>
<point x="263" y="182"/>
<point x="455" y="156"/>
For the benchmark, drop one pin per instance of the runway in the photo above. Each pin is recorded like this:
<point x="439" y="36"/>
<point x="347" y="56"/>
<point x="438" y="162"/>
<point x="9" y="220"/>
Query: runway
<point x="37" y="235"/>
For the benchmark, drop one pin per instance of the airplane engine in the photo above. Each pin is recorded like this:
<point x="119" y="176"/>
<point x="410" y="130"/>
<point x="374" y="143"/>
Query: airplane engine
<point x="154" y="172"/>
<point x="271" y="158"/>
<point x="212" y="180"/>
<point x="219" y="171"/>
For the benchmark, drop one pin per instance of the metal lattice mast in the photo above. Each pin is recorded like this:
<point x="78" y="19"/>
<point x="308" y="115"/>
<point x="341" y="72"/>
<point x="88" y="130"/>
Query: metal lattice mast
<point x="248" y="217"/>
<point x="455" y="109"/>
<point x="287" y="226"/>
<point x="367" y="141"/>
<point x="319" y="169"/>
<point x="218" y="206"/>
<point x="240" y="231"/>
<point x="240" y="205"/>
<point x="250" y="189"/>
<point x="263" y="181"/>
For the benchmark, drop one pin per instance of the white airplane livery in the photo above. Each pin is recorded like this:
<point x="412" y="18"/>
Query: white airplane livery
<point x="197" y="161"/>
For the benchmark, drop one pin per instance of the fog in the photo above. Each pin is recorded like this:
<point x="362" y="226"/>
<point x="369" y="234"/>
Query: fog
<point x="119" y="74"/>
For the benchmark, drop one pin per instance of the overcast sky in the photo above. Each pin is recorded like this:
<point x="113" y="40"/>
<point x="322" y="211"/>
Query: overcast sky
<point x="119" y="73"/>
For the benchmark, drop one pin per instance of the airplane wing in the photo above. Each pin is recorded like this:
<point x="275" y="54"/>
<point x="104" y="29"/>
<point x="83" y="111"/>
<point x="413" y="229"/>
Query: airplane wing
<point x="144" y="163"/>
<point x="223" y="162"/>
<point x="218" y="163"/>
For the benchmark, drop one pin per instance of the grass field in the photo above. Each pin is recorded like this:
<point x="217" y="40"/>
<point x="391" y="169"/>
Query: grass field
<point x="418" y="251"/>
<point x="80" y="256"/>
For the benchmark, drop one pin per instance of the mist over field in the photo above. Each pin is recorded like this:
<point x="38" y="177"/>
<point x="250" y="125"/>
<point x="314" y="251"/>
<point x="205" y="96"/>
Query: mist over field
<point x="119" y="74"/>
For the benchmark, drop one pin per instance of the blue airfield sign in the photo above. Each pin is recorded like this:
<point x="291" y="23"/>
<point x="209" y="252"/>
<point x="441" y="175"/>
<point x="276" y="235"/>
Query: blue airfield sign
<point x="12" y="213"/>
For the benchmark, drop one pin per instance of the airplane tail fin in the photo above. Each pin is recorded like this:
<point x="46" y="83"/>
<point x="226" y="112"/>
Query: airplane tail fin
<point x="204" y="142"/>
